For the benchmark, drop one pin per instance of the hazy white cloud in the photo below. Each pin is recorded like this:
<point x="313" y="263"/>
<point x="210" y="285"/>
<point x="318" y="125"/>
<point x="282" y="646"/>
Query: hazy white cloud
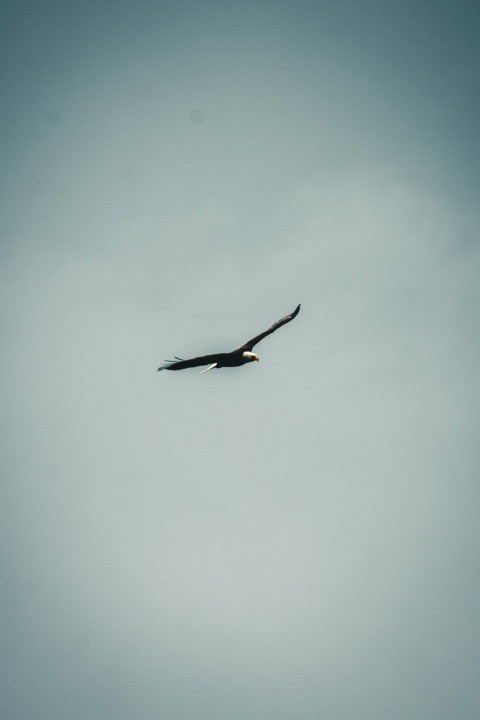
<point x="294" y="539"/>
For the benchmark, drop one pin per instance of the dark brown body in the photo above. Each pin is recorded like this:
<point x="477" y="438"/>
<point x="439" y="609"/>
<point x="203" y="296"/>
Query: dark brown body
<point x="232" y="359"/>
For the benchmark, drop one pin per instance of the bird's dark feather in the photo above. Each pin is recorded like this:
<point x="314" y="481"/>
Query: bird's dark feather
<point x="193" y="362"/>
<point x="231" y="359"/>
<point x="251" y="343"/>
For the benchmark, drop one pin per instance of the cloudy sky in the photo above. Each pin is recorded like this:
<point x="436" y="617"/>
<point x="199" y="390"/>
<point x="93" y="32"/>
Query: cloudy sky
<point x="297" y="538"/>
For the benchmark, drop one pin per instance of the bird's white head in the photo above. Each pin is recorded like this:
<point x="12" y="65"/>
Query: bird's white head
<point x="250" y="356"/>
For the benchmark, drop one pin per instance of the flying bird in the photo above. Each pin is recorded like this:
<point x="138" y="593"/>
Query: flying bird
<point x="240" y="356"/>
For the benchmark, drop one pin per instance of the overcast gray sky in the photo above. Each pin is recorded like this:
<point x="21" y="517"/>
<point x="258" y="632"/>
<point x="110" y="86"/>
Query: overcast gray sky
<point x="297" y="538"/>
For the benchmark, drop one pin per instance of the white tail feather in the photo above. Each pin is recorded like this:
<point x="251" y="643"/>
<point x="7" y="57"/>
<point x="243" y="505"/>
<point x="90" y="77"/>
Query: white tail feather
<point x="210" y="367"/>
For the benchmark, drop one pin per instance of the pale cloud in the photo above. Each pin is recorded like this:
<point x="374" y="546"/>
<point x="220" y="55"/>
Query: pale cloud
<point x="295" y="539"/>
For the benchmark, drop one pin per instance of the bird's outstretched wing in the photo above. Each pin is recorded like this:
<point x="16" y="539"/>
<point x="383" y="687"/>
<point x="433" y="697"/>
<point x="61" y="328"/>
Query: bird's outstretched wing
<point x="251" y="343"/>
<point x="179" y="364"/>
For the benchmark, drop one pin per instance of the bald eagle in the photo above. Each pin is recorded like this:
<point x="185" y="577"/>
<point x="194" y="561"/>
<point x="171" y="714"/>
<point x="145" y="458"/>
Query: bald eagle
<point x="235" y="358"/>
